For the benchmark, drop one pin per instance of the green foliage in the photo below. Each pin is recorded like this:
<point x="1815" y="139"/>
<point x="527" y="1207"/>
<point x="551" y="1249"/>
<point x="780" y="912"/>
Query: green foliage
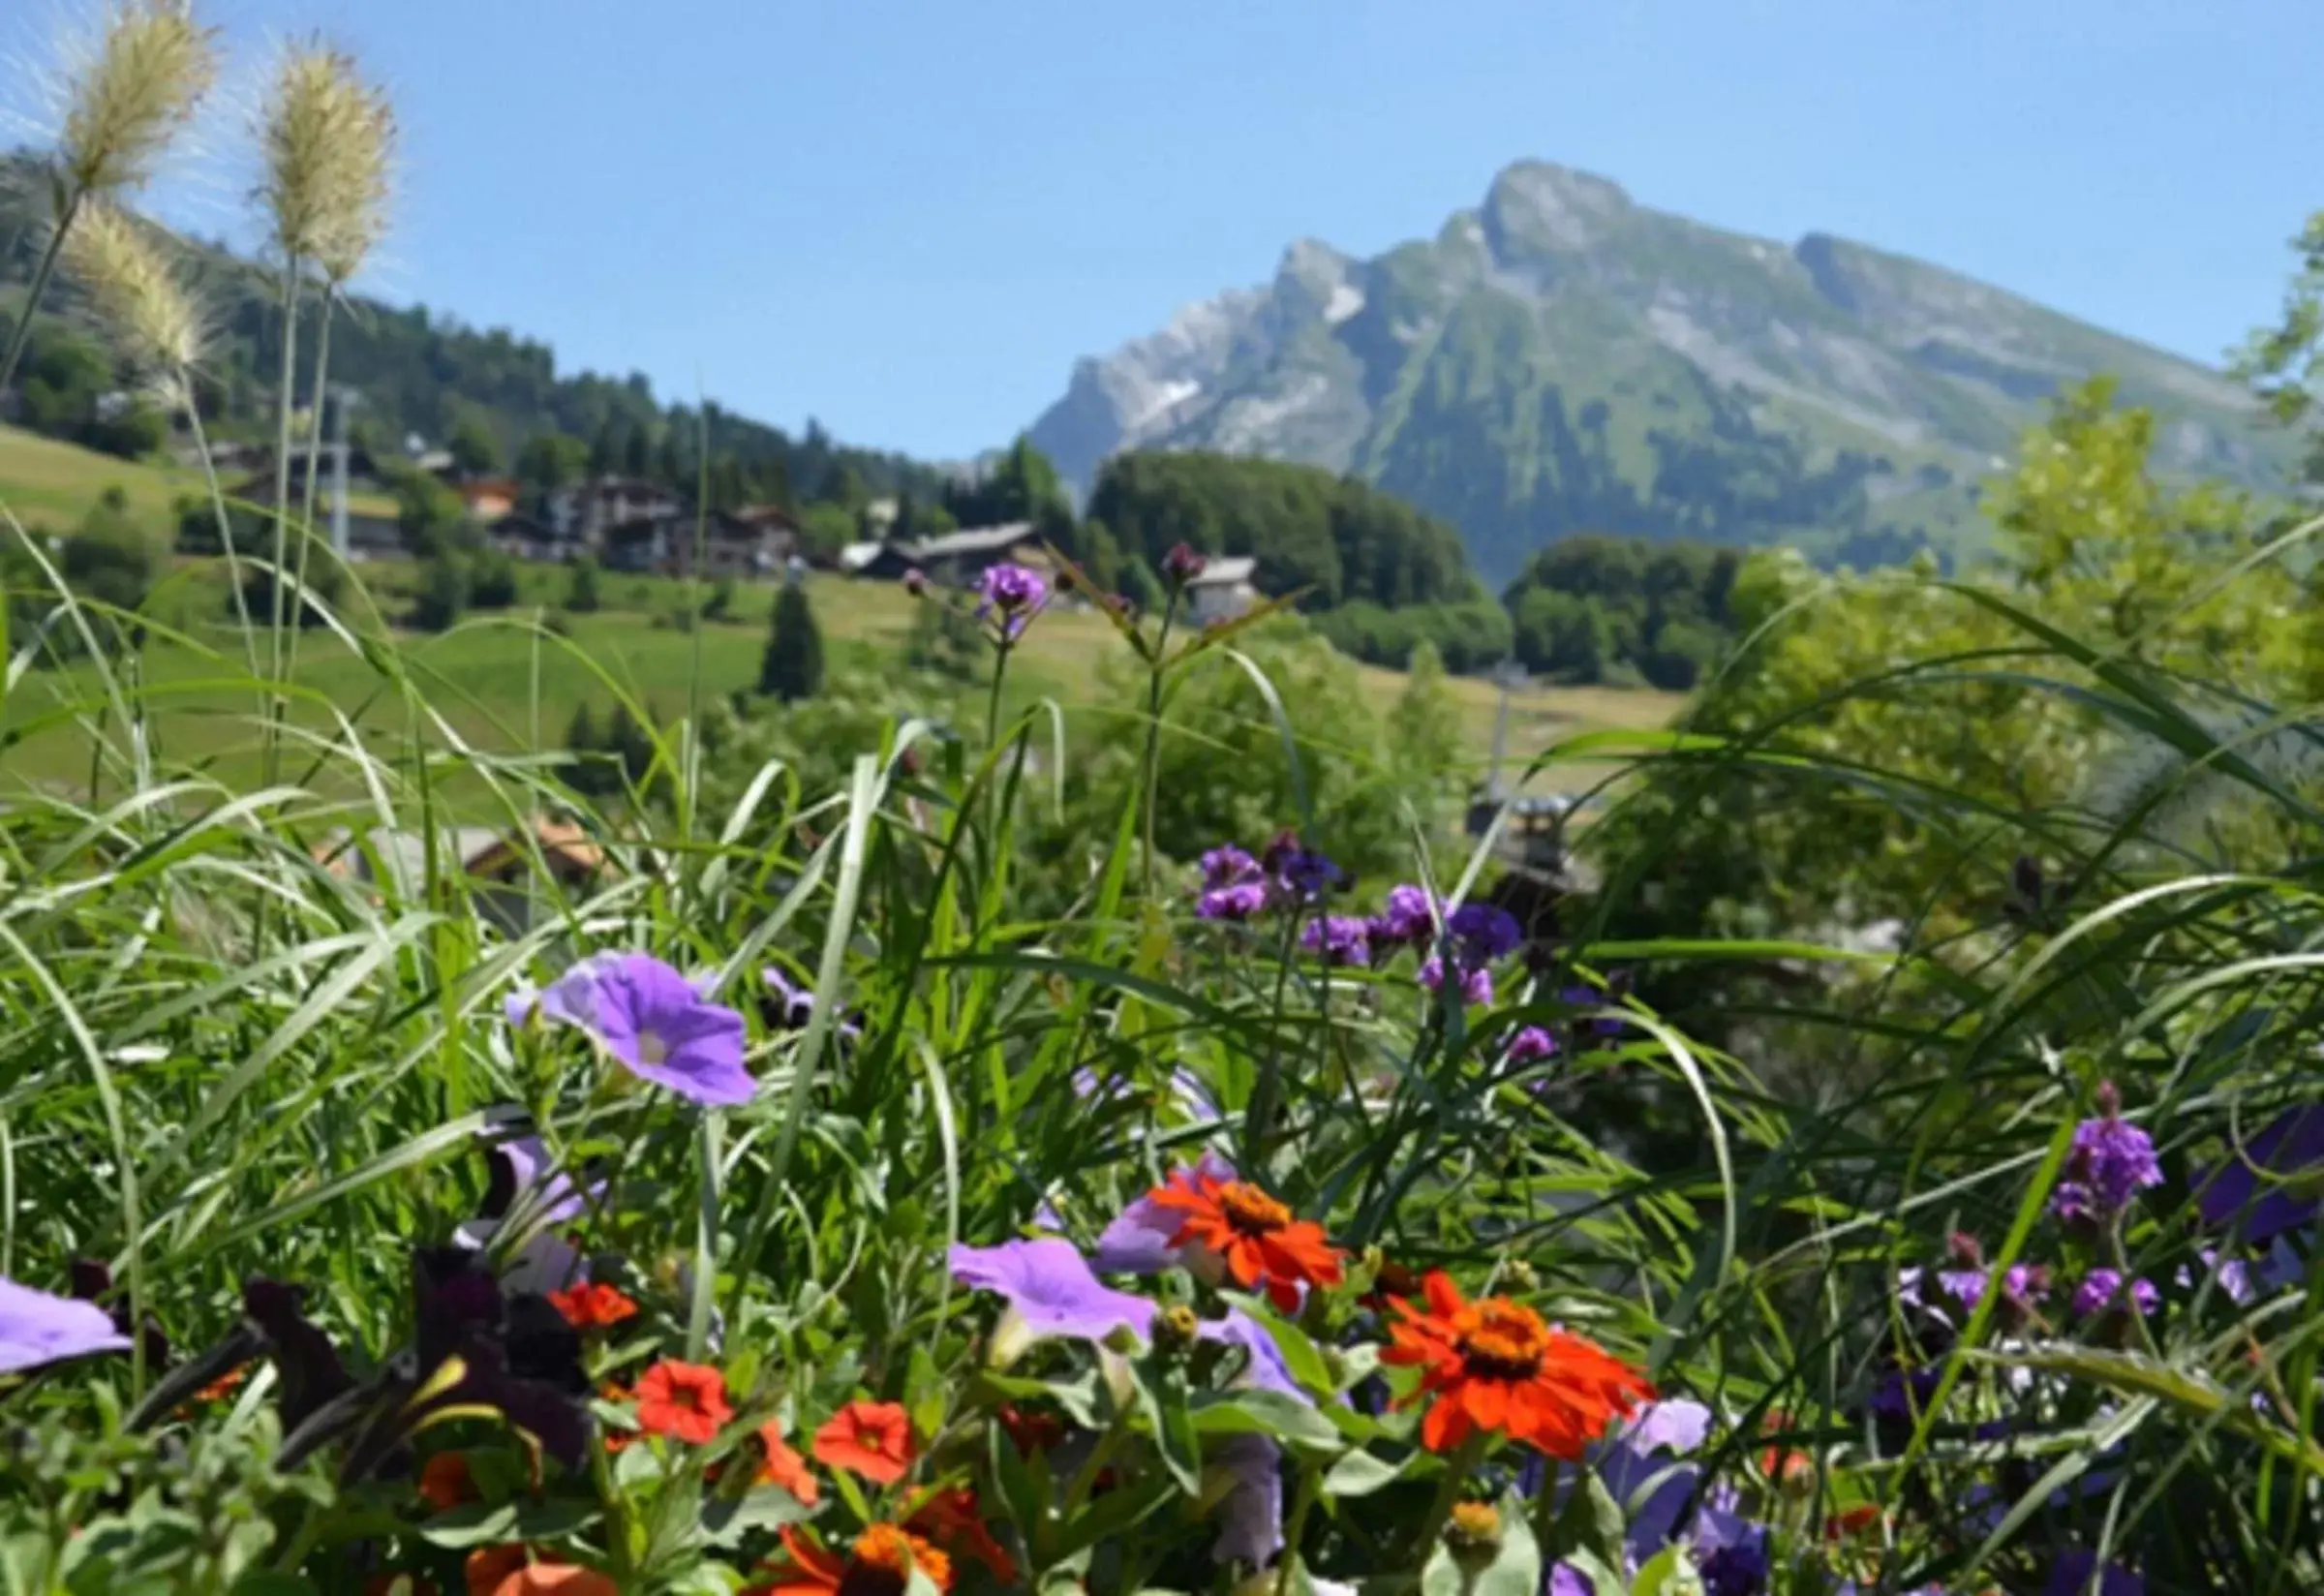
<point x="550" y="460"/>
<point x="66" y="388"/>
<point x="2285" y="362"/>
<point x="430" y="516"/>
<point x="944" y="639"/>
<point x="1466" y="637"/>
<point x="792" y="667"/>
<point x="111" y="557"/>
<point x="581" y="594"/>
<point x="491" y="580"/>
<point x="325" y="586"/>
<point x="718" y="603"/>
<point x="824" y="529"/>
<point x="443" y="594"/>
<point x="1594" y="609"/>
<point x="1100" y="557"/>
<point x="1308" y="529"/>
<point x="475" y="449"/>
<point x="1022" y="486"/>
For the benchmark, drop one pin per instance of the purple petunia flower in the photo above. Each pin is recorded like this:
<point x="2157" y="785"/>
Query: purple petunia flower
<point x="1731" y="1550"/>
<point x="2110" y="1162"/>
<point x="2233" y="1274"/>
<point x="1265" y="1368"/>
<point x="38" y="1329"/>
<point x="662" y="1030"/>
<point x="1338" y="939"/>
<point x="1483" y="932"/>
<point x="1405" y="918"/>
<point x="794" y="1004"/>
<point x="1653" y="1490"/>
<point x="1565" y="1579"/>
<point x="569" y="1000"/>
<point x="2101" y="1287"/>
<point x="1250" y="1514"/>
<point x="524" y="1189"/>
<point x="1475" y="985"/>
<point x="1050" y="1291"/>
<point x="1244" y="900"/>
<point x="2074" y="1570"/>
<point x="1012" y="592"/>
<point x="2247" y="1186"/>
<point x="1140" y="1241"/>
<point x="1187" y="1089"/>
<point x="1532" y="1045"/>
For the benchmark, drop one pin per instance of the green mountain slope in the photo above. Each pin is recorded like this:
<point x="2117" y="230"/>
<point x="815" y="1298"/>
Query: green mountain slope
<point x="1560" y="359"/>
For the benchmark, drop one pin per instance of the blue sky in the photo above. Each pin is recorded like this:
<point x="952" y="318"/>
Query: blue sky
<point x="908" y="219"/>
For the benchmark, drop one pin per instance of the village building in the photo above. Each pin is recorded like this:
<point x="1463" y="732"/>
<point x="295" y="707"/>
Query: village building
<point x="1222" y="591"/>
<point x="589" y="510"/>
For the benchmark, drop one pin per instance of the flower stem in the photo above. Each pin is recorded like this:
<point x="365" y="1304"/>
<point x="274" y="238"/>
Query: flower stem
<point x="1457" y="1470"/>
<point x="40" y="274"/>
<point x="1152" y="761"/>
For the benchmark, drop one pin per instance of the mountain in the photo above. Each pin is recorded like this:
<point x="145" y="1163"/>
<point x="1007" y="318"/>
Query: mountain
<point x="1561" y="359"/>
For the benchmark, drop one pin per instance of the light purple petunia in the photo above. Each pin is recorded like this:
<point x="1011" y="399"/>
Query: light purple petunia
<point x="1337" y="939"/>
<point x="1140" y="1240"/>
<point x="571" y="999"/>
<point x="1012" y="592"/>
<point x="1532" y="1045"/>
<point x="1265" y="1368"/>
<point x="1565" y="1579"/>
<point x="38" y="1329"/>
<point x="1475" y="985"/>
<point x="662" y="1030"/>
<point x="2102" y="1288"/>
<point x="1405" y="918"/>
<point x="2110" y="1162"/>
<point x="1047" y="1285"/>
<point x="1250" y="1514"/>
<point x="1227" y="865"/>
<point x="524" y="1188"/>
<point x="1187" y="1089"/>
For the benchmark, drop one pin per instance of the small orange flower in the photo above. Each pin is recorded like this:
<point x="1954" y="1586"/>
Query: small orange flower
<point x="1783" y="1465"/>
<point x="223" y="1386"/>
<point x="556" y="1579"/>
<point x="881" y="1562"/>
<point x="688" y="1400"/>
<point x="1256" y="1236"/>
<point x="1854" y="1521"/>
<point x="872" y="1439"/>
<point x="951" y="1519"/>
<point x="487" y="1566"/>
<point x="1033" y="1431"/>
<point x="1492" y="1365"/>
<point x="784" y="1467"/>
<point x="592" y="1305"/>
<point x="446" y="1482"/>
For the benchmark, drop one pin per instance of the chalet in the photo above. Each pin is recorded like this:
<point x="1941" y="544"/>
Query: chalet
<point x="1222" y="591"/>
<point x="643" y="544"/>
<point x="526" y="537"/>
<point x="589" y="510"/>
<point x="958" y="558"/>
<point x="880" y="562"/>
<point x="498" y="863"/>
<point x="486" y="499"/>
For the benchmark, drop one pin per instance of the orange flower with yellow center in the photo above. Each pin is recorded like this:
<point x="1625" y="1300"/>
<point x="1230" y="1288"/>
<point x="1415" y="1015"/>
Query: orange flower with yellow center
<point x="881" y="1562"/>
<point x="1251" y="1233"/>
<point x="1493" y="1364"/>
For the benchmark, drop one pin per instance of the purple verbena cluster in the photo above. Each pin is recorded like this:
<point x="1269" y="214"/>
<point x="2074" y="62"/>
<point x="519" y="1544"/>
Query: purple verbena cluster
<point x="1011" y="595"/>
<point x="2110" y="1162"/>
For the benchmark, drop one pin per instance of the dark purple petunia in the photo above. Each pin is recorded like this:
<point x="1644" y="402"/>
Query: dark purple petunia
<point x="1731" y="1550"/>
<point x="662" y="1030"/>
<point x="1405" y="918"/>
<point x="2110" y="1162"/>
<point x="2101" y="1289"/>
<point x="1484" y="934"/>
<point x="1013" y="593"/>
<point x="2074" y="1571"/>
<point x="1050" y="1291"/>
<point x="1337" y="939"/>
<point x="2246" y="1188"/>
<point x="38" y="1329"/>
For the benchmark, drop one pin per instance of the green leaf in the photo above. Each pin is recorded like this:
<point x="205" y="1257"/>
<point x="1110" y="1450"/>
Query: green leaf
<point x="2138" y="1375"/>
<point x="726" y="1520"/>
<point x="1300" y="1354"/>
<point x="1357" y="1474"/>
<point x="1516" y="1566"/>
<point x="1669" y="1571"/>
<point x="487" y="1523"/>
<point x="266" y="1581"/>
<point x="1269" y="1413"/>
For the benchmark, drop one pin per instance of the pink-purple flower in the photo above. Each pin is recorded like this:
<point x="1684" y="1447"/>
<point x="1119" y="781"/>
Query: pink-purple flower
<point x="2250" y="1188"/>
<point x="1013" y="593"/>
<point x="2101" y="1290"/>
<point x="1531" y="1045"/>
<point x="1404" y="919"/>
<point x="38" y="1329"/>
<point x="2110" y="1162"/>
<point x="1475" y="985"/>
<point x="1234" y="886"/>
<point x="1337" y="939"/>
<point x="1483" y="932"/>
<point x="1183" y="564"/>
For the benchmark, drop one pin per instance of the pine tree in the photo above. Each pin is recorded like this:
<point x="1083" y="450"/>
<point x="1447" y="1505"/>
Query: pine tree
<point x="792" y="667"/>
<point x="582" y="597"/>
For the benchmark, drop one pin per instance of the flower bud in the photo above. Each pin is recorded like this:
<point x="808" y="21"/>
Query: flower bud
<point x="1182" y="564"/>
<point x="915" y="581"/>
<point x="1516" y="1275"/>
<point x="1175" y="1331"/>
<point x="1473" y="1533"/>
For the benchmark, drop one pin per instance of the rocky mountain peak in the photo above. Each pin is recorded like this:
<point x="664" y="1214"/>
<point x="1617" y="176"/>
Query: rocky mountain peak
<point x="1535" y="209"/>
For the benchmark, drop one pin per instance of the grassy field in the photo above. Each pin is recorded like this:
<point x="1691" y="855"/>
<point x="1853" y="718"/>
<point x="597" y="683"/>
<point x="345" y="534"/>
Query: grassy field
<point x="48" y="484"/>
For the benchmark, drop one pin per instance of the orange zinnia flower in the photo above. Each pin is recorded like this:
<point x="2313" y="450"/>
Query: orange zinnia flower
<point x="487" y="1566"/>
<point x="880" y="1563"/>
<point x="556" y="1579"/>
<point x="1492" y="1365"/>
<point x="953" y="1521"/>
<point x="872" y="1439"/>
<point x="688" y="1400"/>
<point x="592" y="1305"/>
<point x="784" y="1467"/>
<point x="1253" y="1233"/>
<point x="446" y="1482"/>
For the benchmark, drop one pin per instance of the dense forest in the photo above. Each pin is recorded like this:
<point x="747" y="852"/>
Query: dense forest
<point x="1594" y="608"/>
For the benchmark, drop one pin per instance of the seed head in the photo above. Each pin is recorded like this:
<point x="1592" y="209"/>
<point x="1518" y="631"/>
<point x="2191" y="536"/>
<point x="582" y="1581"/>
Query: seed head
<point x="329" y="141"/>
<point x="138" y="294"/>
<point x="128" y="90"/>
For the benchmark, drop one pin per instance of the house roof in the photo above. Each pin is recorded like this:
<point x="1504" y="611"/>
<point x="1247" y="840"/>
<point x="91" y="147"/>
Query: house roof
<point x="766" y="515"/>
<point x="1225" y="570"/>
<point x="973" y="541"/>
<point x="486" y="487"/>
<point x="856" y="556"/>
